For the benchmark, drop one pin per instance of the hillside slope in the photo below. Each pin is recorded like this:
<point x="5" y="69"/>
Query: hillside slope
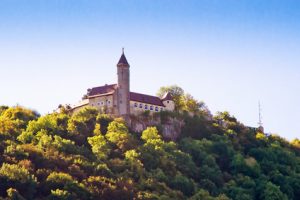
<point x="94" y="156"/>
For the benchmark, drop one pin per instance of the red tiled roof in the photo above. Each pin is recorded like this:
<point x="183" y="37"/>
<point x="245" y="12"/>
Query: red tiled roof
<point x="143" y="98"/>
<point x="102" y="90"/>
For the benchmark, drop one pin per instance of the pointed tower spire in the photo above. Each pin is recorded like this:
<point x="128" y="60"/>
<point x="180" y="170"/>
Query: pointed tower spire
<point x="123" y="61"/>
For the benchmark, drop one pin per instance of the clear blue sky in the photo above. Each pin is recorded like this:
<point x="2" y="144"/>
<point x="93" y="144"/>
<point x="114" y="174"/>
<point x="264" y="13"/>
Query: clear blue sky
<point x="228" y="53"/>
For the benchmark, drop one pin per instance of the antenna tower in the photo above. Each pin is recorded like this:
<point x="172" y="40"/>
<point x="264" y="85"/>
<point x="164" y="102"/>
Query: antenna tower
<point x="260" y="124"/>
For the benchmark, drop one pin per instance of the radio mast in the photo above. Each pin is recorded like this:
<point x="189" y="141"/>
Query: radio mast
<point x="260" y="124"/>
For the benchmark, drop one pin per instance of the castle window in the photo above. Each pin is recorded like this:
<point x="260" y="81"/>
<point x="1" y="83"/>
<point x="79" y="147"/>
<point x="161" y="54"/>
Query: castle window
<point x="151" y="107"/>
<point x="98" y="103"/>
<point x="135" y="105"/>
<point x="102" y="103"/>
<point x="141" y="105"/>
<point x="156" y="109"/>
<point x="146" y="107"/>
<point x="168" y="101"/>
<point x="161" y="109"/>
<point x="108" y="102"/>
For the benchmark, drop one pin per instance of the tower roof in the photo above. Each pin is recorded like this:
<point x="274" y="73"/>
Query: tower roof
<point x="167" y="96"/>
<point x="123" y="60"/>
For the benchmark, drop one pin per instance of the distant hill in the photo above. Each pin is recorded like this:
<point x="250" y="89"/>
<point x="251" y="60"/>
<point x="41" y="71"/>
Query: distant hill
<point x="90" y="155"/>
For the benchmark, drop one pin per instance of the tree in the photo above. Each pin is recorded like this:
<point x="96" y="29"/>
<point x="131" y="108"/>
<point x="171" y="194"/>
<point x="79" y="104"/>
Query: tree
<point x="202" y="194"/>
<point x="104" y="120"/>
<point x="57" y="180"/>
<point x="99" y="145"/>
<point x="117" y="134"/>
<point x="272" y="192"/>
<point x="19" y="177"/>
<point x="100" y="187"/>
<point x="21" y="115"/>
<point x="183" y="184"/>
<point x="60" y="195"/>
<point x="177" y="94"/>
<point x="13" y="194"/>
<point x="151" y="133"/>
<point x="191" y="104"/>
<point x="82" y="124"/>
<point x="63" y="184"/>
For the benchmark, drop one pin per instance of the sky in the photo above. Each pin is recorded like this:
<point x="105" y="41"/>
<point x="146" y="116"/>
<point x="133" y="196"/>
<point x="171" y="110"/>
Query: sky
<point x="228" y="53"/>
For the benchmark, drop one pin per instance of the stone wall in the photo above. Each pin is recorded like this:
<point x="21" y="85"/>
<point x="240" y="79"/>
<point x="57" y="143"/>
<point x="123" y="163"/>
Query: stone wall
<point x="169" y="128"/>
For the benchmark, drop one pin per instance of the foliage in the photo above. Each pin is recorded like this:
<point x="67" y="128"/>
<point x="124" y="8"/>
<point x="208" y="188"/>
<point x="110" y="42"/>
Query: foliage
<point x="99" y="145"/>
<point x="177" y="94"/>
<point x="19" y="177"/>
<point x="151" y="133"/>
<point x="89" y="155"/>
<point x="183" y="101"/>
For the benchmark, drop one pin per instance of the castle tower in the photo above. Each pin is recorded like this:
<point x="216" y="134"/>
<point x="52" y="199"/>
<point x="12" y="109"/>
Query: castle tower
<point x="123" y="86"/>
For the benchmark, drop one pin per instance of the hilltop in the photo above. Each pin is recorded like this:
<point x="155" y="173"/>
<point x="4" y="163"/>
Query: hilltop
<point x="89" y="155"/>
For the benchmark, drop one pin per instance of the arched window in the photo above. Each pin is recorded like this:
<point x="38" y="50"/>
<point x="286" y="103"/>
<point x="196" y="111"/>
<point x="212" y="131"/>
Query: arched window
<point x="168" y="101"/>
<point x="141" y="105"/>
<point x="151" y="107"/>
<point x="146" y="107"/>
<point x="156" y="109"/>
<point x="161" y="109"/>
<point x="135" y="105"/>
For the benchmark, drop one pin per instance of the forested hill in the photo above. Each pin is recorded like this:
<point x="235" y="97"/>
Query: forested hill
<point x="93" y="156"/>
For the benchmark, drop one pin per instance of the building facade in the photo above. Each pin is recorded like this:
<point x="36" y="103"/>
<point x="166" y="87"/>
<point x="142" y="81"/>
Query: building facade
<point x="117" y="99"/>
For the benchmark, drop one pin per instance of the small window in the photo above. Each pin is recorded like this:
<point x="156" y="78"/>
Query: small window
<point x="168" y="101"/>
<point x="92" y="104"/>
<point x="135" y="105"/>
<point x="102" y="103"/>
<point x="146" y="107"/>
<point x="161" y="109"/>
<point x="156" y="109"/>
<point x="98" y="103"/>
<point x="151" y="107"/>
<point x="108" y="102"/>
<point x="141" y="105"/>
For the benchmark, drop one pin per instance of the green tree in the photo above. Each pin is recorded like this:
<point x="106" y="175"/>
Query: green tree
<point x="99" y="145"/>
<point x="151" y="133"/>
<point x="272" y="192"/>
<point x="191" y="104"/>
<point x="202" y="195"/>
<point x="177" y="94"/>
<point x="19" y="177"/>
<point x="82" y="124"/>
<point x="182" y="183"/>
<point x="118" y="134"/>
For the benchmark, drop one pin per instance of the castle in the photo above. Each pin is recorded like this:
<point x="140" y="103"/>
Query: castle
<point x="117" y="99"/>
